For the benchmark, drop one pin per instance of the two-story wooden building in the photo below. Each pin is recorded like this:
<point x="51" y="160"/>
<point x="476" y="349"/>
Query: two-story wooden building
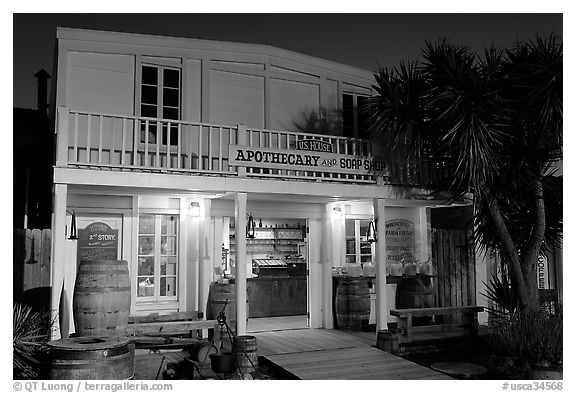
<point x="175" y="144"/>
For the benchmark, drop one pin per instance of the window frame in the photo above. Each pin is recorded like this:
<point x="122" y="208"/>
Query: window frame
<point x="160" y="65"/>
<point x="157" y="298"/>
<point x="355" y="115"/>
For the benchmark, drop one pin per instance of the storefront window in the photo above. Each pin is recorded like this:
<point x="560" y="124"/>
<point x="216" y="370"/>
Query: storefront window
<point x="157" y="256"/>
<point x="358" y="248"/>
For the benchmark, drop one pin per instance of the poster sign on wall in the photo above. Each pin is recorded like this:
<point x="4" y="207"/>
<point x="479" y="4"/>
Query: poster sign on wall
<point x="97" y="241"/>
<point x="400" y="241"/>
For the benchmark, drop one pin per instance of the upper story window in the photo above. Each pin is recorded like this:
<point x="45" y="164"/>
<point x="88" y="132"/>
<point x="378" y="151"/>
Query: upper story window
<point x="355" y="116"/>
<point x="160" y="98"/>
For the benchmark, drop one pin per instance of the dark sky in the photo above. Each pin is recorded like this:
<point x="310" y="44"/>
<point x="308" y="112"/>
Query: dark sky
<point x="362" y="40"/>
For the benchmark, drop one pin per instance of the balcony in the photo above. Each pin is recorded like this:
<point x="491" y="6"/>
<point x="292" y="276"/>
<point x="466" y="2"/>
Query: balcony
<point x="130" y="143"/>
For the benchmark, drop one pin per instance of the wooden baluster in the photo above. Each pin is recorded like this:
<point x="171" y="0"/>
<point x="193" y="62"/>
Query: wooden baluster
<point x="200" y="160"/>
<point x="179" y="145"/>
<point x="88" y="138"/>
<point x="75" y="148"/>
<point x="146" y="138"/>
<point x="210" y="164"/>
<point x="168" y="145"/>
<point x="123" y="141"/>
<point x="158" y="142"/>
<point x="100" y="130"/>
<point x="220" y="142"/>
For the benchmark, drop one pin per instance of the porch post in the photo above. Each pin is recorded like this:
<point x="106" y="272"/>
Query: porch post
<point x="62" y="136"/>
<point x="205" y="268"/>
<point x="326" y="260"/>
<point x="240" y="217"/>
<point x="59" y="314"/>
<point x="425" y="234"/>
<point x="380" y="259"/>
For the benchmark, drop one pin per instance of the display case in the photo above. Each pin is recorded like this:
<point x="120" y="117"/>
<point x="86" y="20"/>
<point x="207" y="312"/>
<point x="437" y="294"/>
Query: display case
<point x="269" y="267"/>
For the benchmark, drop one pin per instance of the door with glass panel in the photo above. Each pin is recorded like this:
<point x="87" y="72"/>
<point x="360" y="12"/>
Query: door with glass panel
<point x="157" y="277"/>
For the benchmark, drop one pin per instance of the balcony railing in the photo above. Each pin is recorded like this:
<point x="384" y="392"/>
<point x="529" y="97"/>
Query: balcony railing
<point x="88" y="139"/>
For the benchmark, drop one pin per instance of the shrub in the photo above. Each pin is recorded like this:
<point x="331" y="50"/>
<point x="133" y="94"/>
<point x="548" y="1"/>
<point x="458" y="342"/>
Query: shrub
<point x="31" y="330"/>
<point x="523" y="340"/>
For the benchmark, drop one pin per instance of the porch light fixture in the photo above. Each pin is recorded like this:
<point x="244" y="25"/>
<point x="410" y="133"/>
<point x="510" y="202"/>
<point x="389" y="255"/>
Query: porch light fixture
<point x="73" y="234"/>
<point x="250" y="228"/>
<point x="372" y="234"/>
<point x="194" y="210"/>
<point x="337" y="213"/>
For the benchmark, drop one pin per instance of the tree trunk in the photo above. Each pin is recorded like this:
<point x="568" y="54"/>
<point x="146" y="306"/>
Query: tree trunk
<point x="512" y="252"/>
<point x="532" y="250"/>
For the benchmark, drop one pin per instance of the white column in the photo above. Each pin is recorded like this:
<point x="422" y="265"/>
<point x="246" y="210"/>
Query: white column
<point x="58" y="263"/>
<point x="380" y="262"/>
<point x="62" y="136"/>
<point x="205" y="269"/>
<point x="240" y="217"/>
<point x="326" y="260"/>
<point x="425" y="234"/>
<point x="193" y="261"/>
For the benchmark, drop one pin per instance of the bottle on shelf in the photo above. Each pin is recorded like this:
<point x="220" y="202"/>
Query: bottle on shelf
<point x="426" y="268"/>
<point x="397" y="268"/>
<point x="410" y="269"/>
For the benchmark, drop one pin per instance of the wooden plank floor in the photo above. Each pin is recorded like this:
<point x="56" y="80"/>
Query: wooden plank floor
<point x="276" y="323"/>
<point x="321" y="354"/>
<point x="306" y="340"/>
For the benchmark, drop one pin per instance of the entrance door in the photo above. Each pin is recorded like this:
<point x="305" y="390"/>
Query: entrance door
<point x="277" y="275"/>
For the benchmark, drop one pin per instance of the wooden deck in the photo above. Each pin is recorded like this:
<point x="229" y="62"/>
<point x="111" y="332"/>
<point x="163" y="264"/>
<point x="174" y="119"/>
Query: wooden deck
<point x="320" y="354"/>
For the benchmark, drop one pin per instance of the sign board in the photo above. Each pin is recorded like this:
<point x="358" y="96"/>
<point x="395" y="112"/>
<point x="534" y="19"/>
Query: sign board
<point x="400" y="241"/>
<point x="97" y="241"/>
<point x="543" y="282"/>
<point x="314" y="145"/>
<point x="301" y="160"/>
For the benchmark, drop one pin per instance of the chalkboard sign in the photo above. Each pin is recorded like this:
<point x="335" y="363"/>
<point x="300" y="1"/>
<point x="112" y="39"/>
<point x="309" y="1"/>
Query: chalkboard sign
<point x="400" y="240"/>
<point x="97" y="241"/>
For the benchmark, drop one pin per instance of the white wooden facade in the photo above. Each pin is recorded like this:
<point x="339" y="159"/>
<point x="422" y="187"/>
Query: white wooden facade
<point x="144" y="127"/>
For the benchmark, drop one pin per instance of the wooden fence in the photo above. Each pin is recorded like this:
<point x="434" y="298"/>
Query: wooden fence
<point x="453" y="256"/>
<point x="31" y="260"/>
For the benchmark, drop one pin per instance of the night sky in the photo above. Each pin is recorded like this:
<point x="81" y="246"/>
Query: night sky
<point x="361" y="40"/>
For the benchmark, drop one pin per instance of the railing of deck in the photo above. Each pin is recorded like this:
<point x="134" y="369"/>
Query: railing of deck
<point x="149" y="144"/>
<point x="97" y="139"/>
<point x="287" y="140"/>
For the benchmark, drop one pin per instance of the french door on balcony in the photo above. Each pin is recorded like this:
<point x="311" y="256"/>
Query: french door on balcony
<point x="160" y="98"/>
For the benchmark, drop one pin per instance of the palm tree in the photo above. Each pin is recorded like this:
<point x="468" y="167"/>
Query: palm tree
<point x="495" y="121"/>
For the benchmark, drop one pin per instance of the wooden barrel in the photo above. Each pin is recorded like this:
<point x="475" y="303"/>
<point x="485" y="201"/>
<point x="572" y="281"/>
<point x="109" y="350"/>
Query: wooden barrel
<point x="415" y="292"/>
<point x="101" y="301"/>
<point x="90" y="358"/>
<point x="388" y="340"/>
<point x="246" y="351"/>
<point x="352" y="303"/>
<point x="218" y="296"/>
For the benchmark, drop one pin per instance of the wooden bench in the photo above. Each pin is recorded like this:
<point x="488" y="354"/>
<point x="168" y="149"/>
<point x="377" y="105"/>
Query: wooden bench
<point x="177" y="328"/>
<point x="404" y="316"/>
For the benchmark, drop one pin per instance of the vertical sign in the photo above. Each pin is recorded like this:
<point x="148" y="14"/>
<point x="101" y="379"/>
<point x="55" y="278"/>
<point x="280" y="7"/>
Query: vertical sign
<point x="400" y="241"/>
<point x="97" y="241"/>
<point x="543" y="272"/>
